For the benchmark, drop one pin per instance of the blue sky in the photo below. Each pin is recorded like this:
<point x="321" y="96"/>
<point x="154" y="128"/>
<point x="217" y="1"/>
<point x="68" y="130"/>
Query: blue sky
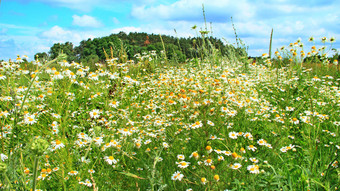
<point x="31" y="26"/>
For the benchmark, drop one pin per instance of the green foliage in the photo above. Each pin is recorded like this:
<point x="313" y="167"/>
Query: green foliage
<point x="178" y="49"/>
<point x="65" y="48"/>
<point x="41" y="56"/>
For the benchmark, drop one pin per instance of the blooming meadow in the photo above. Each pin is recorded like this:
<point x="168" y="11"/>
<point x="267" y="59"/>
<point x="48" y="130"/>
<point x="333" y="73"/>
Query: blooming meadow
<point x="208" y="124"/>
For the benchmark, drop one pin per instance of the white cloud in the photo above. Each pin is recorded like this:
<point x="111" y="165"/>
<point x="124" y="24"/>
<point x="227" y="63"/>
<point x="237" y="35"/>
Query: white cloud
<point x="58" y="34"/>
<point x="88" y="5"/>
<point x="86" y="21"/>
<point x="127" y="29"/>
<point x="115" y="20"/>
<point x="83" y="5"/>
<point x="215" y="10"/>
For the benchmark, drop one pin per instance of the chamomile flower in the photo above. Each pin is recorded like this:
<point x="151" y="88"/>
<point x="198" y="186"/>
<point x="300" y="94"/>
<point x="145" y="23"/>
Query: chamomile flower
<point x="30" y="119"/>
<point x="111" y="160"/>
<point x="95" y="113"/>
<point x="57" y="144"/>
<point x="2" y="77"/>
<point x="203" y="180"/>
<point x="194" y="155"/>
<point x="165" y="145"/>
<point x="73" y="173"/>
<point x="233" y="135"/>
<point x="57" y="75"/>
<point x="216" y="177"/>
<point x="91" y="171"/>
<point x="183" y="164"/>
<point x="254" y="169"/>
<point x="114" y="104"/>
<point x="93" y="76"/>
<point x="177" y="176"/>
<point x="3" y="157"/>
<point x="254" y="160"/>
<point x="125" y="132"/>
<point x="180" y="157"/>
<point x="220" y="158"/>
<point x="208" y="162"/>
<point x="210" y="123"/>
<point x="235" y="166"/>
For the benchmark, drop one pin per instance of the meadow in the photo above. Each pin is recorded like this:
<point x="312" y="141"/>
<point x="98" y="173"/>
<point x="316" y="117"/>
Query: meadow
<point x="211" y="123"/>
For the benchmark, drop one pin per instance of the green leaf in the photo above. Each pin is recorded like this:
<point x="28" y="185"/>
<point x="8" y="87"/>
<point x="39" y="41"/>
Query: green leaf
<point x="131" y="175"/>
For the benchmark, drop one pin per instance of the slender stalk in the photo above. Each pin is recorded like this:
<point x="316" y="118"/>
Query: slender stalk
<point x="205" y="20"/>
<point x="270" y="44"/>
<point x="236" y="38"/>
<point x="8" y="181"/>
<point x="2" y="139"/>
<point x="166" y="59"/>
<point x="35" y="169"/>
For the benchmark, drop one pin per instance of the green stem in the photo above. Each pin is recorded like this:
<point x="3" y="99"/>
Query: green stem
<point x="35" y="171"/>
<point x="15" y="129"/>
<point x="270" y="45"/>
<point x="9" y="182"/>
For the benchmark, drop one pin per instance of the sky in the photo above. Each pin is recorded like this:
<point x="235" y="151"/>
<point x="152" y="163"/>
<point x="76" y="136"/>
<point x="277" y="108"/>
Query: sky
<point x="31" y="26"/>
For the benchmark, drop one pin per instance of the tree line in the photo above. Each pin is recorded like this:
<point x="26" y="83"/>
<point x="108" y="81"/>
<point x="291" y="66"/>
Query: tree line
<point x="97" y="49"/>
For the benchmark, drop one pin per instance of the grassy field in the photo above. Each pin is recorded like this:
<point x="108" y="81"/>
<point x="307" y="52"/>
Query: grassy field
<point x="208" y="124"/>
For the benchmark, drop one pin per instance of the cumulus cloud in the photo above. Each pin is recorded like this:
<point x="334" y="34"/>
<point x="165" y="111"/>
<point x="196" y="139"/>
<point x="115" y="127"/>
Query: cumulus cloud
<point x="58" y="34"/>
<point x="86" y="21"/>
<point x="191" y="10"/>
<point x="87" y="5"/>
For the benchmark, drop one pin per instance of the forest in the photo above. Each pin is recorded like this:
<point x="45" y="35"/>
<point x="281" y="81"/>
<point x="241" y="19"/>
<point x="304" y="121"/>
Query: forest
<point x="177" y="49"/>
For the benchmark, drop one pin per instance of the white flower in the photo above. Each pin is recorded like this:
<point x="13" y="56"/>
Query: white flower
<point x="125" y="132"/>
<point x="183" y="164"/>
<point x="180" y="157"/>
<point x="251" y="147"/>
<point x="208" y="162"/>
<point x="283" y="149"/>
<point x="87" y="183"/>
<point x="57" y="144"/>
<point x="254" y="160"/>
<point x="93" y="76"/>
<point x="236" y="166"/>
<point x="55" y="115"/>
<point x="210" y="123"/>
<point x="30" y="119"/>
<point x="95" y="113"/>
<point x="57" y="75"/>
<point x="165" y="145"/>
<point x="233" y="135"/>
<point x="114" y="104"/>
<point x="177" y="176"/>
<point x="3" y="157"/>
<point x="253" y="169"/>
<point x="2" y="77"/>
<point x="73" y="173"/>
<point x="110" y="160"/>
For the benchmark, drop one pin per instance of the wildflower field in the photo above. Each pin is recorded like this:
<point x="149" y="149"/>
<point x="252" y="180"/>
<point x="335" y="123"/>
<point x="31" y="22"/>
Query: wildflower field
<point x="211" y="123"/>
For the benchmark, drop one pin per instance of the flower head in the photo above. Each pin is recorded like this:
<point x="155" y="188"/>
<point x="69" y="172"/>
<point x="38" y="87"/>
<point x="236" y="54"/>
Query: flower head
<point x="177" y="176"/>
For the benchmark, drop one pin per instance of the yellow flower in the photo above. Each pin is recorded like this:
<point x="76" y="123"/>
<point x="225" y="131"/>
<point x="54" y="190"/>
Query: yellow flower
<point x="216" y="177"/>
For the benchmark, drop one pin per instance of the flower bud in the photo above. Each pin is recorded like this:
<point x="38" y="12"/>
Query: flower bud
<point x="39" y="146"/>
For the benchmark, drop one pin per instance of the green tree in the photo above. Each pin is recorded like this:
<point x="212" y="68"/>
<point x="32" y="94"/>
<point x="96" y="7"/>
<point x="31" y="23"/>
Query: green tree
<point x="66" y="48"/>
<point x="41" y="56"/>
